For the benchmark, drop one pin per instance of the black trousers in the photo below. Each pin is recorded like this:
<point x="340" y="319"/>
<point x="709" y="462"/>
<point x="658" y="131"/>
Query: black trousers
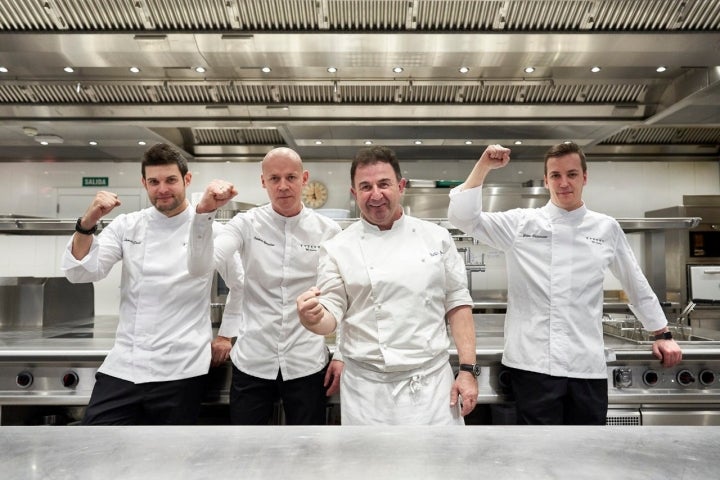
<point x="546" y="400"/>
<point x="252" y="399"/>
<point x="118" y="402"/>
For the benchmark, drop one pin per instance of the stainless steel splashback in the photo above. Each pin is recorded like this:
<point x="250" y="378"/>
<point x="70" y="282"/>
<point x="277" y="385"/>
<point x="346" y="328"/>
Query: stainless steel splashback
<point x="30" y="302"/>
<point x="428" y="202"/>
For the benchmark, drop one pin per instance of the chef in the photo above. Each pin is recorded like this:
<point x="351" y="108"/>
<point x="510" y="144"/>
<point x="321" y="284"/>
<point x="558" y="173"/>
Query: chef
<point x="557" y="257"/>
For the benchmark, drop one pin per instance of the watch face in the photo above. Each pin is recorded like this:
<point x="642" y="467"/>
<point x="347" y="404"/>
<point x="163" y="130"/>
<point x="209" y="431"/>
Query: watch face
<point x="314" y="194"/>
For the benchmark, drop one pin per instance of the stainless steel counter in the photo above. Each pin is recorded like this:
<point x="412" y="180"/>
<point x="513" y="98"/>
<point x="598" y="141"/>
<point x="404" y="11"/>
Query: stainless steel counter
<point x="397" y="453"/>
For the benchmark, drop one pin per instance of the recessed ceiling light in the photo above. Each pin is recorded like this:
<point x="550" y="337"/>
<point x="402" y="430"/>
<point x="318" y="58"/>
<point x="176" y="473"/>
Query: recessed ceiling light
<point x="92" y="142"/>
<point x="368" y="142"/>
<point x="595" y="69"/>
<point x="529" y="69"/>
<point x="3" y="70"/>
<point x="266" y="69"/>
<point x="464" y="69"/>
<point x="69" y="69"/>
<point x="200" y="69"/>
<point x="44" y="142"/>
<point x="418" y="142"/>
<point x="661" y="69"/>
<point x="318" y="142"/>
<point x="468" y="142"/>
<point x="398" y="69"/>
<point x="135" y="69"/>
<point x="518" y="142"/>
<point x="142" y="142"/>
<point x="331" y="69"/>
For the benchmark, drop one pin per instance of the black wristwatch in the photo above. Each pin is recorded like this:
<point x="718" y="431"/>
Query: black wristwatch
<point x="664" y="336"/>
<point x="473" y="368"/>
<point x="79" y="229"/>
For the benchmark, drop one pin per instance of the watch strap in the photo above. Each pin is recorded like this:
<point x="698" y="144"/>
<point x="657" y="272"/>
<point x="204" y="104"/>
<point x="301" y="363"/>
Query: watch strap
<point x="473" y="368"/>
<point x="80" y="229"/>
<point x="664" y="336"/>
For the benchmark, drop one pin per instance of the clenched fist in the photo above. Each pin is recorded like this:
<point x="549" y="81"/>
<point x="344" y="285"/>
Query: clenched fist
<point x="103" y="203"/>
<point x="217" y="194"/>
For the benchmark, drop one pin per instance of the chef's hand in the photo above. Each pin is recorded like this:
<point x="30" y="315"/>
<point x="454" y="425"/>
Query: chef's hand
<point x="309" y="308"/>
<point x="217" y="194"/>
<point x="466" y="386"/>
<point x="332" y="377"/>
<point x="495" y="156"/>
<point x="103" y="203"/>
<point x="668" y="351"/>
<point x="220" y="348"/>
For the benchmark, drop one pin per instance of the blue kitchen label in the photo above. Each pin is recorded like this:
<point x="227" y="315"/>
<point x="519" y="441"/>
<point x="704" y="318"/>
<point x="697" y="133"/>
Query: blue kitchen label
<point x="95" y="182"/>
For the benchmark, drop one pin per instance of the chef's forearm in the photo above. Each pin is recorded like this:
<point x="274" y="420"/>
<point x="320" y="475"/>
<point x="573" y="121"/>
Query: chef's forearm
<point x="462" y="327"/>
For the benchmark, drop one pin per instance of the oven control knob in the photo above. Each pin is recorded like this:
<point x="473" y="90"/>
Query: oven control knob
<point x="622" y="377"/>
<point x="707" y="377"/>
<point x="70" y="380"/>
<point x="685" y="378"/>
<point x="650" y="378"/>
<point x="24" y="379"/>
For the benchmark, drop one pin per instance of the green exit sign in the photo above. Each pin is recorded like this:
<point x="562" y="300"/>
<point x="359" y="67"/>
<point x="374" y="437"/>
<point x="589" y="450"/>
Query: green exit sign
<point x="95" y="182"/>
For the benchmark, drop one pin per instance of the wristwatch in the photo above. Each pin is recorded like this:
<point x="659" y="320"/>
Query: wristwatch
<point x="79" y="229"/>
<point x="473" y="368"/>
<point x="664" y="336"/>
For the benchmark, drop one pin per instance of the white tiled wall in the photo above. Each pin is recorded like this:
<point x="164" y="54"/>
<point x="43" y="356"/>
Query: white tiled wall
<point x="618" y="189"/>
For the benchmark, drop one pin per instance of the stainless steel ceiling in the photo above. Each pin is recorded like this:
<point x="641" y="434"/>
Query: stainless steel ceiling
<point x="626" y="112"/>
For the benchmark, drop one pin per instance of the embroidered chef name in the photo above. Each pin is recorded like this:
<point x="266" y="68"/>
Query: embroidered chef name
<point x="435" y="253"/>
<point x="264" y="241"/>
<point x="596" y="241"/>
<point x="532" y="235"/>
<point x="130" y="240"/>
<point x="310" y="248"/>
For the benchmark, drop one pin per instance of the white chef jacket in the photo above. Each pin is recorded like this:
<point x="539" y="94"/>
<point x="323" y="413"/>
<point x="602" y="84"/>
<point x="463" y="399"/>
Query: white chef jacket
<point x="164" y="329"/>
<point x="279" y="256"/>
<point x="556" y="264"/>
<point x="390" y="290"/>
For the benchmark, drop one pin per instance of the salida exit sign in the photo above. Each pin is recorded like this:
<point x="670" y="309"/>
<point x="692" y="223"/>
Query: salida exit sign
<point x="95" y="182"/>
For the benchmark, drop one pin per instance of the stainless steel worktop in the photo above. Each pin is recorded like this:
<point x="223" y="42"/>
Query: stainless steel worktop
<point x="397" y="453"/>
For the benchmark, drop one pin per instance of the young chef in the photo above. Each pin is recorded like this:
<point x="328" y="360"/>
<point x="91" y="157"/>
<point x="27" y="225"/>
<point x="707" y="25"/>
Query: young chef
<point x="557" y="257"/>
<point x="390" y="281"/>
<point x="155" y="372"/>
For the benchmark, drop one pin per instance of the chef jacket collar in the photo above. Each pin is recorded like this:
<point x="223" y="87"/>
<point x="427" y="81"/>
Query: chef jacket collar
<point x="288" y="220"/>
<point x="557" y="213"/>
<point x="369" y="227"/>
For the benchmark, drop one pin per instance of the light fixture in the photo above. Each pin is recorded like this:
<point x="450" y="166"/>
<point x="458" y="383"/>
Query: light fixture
<point x="464" y="69"/>
<point x="47" y="139"/>
<point x="398" y="69"/>
<point x="4" y="70"/>
<point x="318" y="142"/>
<point x="368" y="142"/>
<point x="468" y="142"/>
<point x="529" y="69"/>
<point x="135" y="69"/>
<point x="518" y="142"/>
<point x="661" y="69"/>
<point x="332" y="70"/>
<point x="69" y="69"/>
<point x="266" y="69"/>
<point x="92" y="142"/>
<point x="595" y="69"/>
<point x="418" y="142"/>
<point x="200" y="69"/>
<point x="142" y="142"/>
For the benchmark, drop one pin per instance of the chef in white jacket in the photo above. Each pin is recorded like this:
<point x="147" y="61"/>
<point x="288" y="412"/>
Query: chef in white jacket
<point x="556" y="258"/>
<point x="156" y="370"/>
<point x="390" y="281"/>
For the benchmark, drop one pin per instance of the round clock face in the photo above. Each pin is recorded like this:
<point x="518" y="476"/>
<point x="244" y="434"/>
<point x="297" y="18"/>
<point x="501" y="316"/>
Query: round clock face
<point x="315" y="194"/>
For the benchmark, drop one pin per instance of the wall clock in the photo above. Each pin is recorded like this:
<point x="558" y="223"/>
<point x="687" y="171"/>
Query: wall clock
<point x="314" y="194"/>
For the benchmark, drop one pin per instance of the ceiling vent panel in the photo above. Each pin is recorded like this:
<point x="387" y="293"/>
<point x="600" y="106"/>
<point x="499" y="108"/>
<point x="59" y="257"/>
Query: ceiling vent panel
<point x="666" y="135"/>
<point x="385" y="15"/>
<point x="235" y="136"/>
